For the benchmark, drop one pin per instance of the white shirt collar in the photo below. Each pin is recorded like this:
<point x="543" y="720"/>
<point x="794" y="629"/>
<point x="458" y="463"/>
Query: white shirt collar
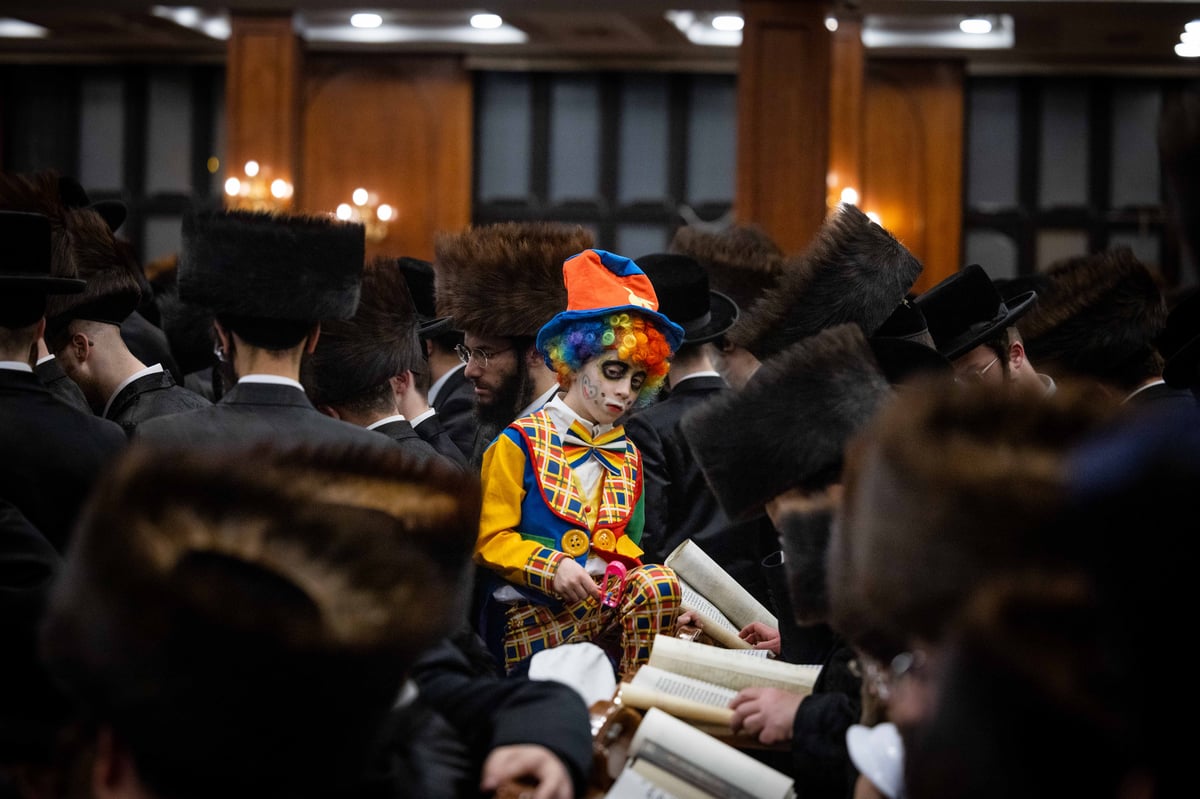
<point x="422" y="416"/>
<point x="149" y="370"/>
<point x="41" y="361"/>
<point x="441" y="381"/>
<point x="1139" y="390"/>
<point x="541" y="401"/>
<point x="701" y="373"/>
<point x="272" y="379"/>
<point x="16" y="366"/>
<point x="563" y="416"/>
<point x="395" y="417"/>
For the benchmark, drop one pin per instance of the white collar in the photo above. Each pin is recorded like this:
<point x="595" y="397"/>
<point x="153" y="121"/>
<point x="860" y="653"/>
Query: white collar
<point x="275" y="380"/>
<point x="395" y="417"/>
<point x="701" y="373"/>
<point x="149" y="370"/>
<point x="563" y="416"/>
<point x="41" y="361"/>
<point x="16" y="366"/>
<point x="1140" y="389"/>
<point x="441" y="381"/>
<point x="422" y="416"/>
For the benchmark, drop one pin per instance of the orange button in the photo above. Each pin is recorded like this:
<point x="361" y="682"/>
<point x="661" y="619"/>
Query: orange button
<point x="575" y="543"/>
<point x="605" y="540"/>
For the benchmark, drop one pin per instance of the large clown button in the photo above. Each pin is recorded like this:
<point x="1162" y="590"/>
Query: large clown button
<point x="575" y="543"/>
<point x="605" y="540"/>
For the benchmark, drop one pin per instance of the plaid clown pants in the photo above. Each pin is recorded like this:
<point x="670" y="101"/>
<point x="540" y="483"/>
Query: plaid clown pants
<point x="648" y="607"/>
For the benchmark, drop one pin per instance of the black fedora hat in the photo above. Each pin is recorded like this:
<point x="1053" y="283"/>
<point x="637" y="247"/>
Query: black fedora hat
<point x="904" y="347"/>
<point x="71" y="192"/>
<point x="25" y="266"/>
<point x="1179" y="343"/>
<point x="966" y="310"/>
<point x="681" y="284"/>
<point x="420" y="277"/>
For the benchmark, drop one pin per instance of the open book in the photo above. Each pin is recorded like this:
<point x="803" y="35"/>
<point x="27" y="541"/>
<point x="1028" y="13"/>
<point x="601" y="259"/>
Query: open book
<point x="670" y="759"/>
<point x="696" y="682"/>
<point x="709" y="591"/>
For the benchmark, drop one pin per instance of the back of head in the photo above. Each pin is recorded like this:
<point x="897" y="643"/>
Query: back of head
<point x="1099" y="318"/>
<point x="944" y="487"/>
<point x="355" y="356"/>
<point x="253" y="646"/>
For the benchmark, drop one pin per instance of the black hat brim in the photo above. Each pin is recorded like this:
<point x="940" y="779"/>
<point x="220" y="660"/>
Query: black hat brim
<point x="722" y="313"/>
<point x="979" y="334"/>
<point x="428" y="328"/>
<point x="42" y="283"/>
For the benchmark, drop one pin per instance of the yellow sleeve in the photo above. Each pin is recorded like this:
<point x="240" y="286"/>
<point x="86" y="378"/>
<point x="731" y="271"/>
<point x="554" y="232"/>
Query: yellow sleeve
<point x="499" y="546"/>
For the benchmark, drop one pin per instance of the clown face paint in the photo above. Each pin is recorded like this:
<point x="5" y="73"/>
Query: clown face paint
<point x="605" y="388"/>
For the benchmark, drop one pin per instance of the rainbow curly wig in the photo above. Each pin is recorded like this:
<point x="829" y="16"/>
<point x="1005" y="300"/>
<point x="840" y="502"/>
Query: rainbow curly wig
<point x="631" y="336"/>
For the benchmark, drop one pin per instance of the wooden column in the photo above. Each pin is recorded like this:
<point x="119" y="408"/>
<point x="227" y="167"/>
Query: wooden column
<point x="784" y="71"/>
<point x="846" y="110"/>
<point x="262" y="96"/>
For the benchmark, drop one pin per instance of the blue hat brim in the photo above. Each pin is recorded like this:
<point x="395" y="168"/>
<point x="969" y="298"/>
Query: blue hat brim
<point x="672" y="332"/>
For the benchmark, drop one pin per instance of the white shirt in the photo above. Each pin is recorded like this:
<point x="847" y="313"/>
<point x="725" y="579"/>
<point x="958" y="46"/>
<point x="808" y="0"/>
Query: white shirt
<point x="41" y="361"/>
<point x="16" y="366"/>
<point x="422" y="416"/>
<point x="272" y="379"/>
<point x="149" y="370"/>
<point x="395" y="417"/>
<point x="1151" y="384"/>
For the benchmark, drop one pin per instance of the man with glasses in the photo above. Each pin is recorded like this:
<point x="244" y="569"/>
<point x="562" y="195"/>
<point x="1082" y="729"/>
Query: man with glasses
<point x="500" y="283"/>
<point x="974" y="327"/>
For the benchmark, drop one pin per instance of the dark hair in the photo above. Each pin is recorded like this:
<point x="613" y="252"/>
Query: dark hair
<point x="275" y="335"/>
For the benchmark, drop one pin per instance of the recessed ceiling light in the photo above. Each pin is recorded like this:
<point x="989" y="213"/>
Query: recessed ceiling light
<point x="18" y="29"/>
<point x="831" y="24"/>
<point x="486" y="21"/>
<point x="1187" y="50"/>
<point x="728" y="22"/>
<point x="364" y="20"/>
<point x="1193" y="26"/>
<point x="977" y="25"/>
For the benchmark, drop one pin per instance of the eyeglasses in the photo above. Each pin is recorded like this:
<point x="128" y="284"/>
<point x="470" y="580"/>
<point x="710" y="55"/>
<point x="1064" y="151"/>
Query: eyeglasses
<point x="481" y="356"/>
<point x="976" y="375"/>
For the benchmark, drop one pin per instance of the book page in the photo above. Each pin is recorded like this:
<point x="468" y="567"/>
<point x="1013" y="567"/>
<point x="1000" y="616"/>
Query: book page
<point x="712" y="621"/>
<point x="715" y="768"/>
<point x="634" y="783"/>
<point x="687" y="698"/>
<point x="705" y="575"/>
<point x="729" y="667"/>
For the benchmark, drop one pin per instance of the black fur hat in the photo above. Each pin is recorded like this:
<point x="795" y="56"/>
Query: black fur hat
<point x="254" y="646"/>
<point x="269" y="266"/>
<point x="854" y="271"/>
<point x="1100" y="318"/>
<point x="787" y="426"/>
<point x="505" y="279"/>
<point x="380" y="341"/>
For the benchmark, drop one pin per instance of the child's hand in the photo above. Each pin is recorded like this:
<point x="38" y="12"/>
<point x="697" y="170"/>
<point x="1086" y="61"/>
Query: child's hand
<point x="761" y="636"/>
<point x="573" y="583"/>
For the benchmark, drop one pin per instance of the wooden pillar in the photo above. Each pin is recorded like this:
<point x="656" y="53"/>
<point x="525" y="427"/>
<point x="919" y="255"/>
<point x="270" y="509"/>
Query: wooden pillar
<point x="846" y="141"/>
<point x="262" y="96"/>
<point x="784" y="73"/>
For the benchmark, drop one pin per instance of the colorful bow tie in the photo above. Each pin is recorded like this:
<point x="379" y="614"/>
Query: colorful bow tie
<point x="608" y="448"/>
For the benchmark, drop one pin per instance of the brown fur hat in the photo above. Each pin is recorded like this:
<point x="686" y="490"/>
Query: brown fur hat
<point x="271" y="266"/>
<point x="854" y="271"/>
<point x="379" y="342"/>
<point x="944" y="488"/>
<point x="786" y="428"/>
<point x="742" y="261"/>
<point x="254" y="645"/>
<point x="1099" y="318"/>
<point x="505" y="279"/>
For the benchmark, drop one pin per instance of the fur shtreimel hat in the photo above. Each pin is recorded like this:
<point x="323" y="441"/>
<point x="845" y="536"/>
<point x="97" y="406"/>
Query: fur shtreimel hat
<point x="113" y="275"/>
<point x="379" y="342"/>
<point x="1100" y="318"/>
<point x="505" y="279"/>
<point x="944" y="488"/>
<point x="742" y="262"/>
<point x="269" y="266"/>
<point x="786" y="428"/>
<point x="255" y="646"/>
<point x="854" y="271"/>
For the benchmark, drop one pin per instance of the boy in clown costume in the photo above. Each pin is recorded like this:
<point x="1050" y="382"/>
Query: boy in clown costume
<point x="562" y="487"/>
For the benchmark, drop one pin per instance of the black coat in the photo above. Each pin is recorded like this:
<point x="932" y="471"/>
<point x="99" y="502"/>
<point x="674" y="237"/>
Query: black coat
<point x="151" y="396"/>
<point x="402" y="432"/>
<point x="50" y="454"/>
<point x="1161" y="397"/>
<point x="455" y="406"/>
<point x="433" y="431"/>
<point x="252" y="413"/>
<point x="679" y="503"/>
<point x="53" y="377"/>
<point x="149" y="344"/>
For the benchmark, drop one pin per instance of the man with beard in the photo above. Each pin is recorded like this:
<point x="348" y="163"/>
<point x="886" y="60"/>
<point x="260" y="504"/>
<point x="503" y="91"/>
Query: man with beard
<point x="500" y="283"/>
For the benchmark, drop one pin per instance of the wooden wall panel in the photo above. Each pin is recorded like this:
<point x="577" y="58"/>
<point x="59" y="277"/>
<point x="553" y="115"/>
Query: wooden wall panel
<point x="262" y="96"/>
<point x="846" y="109"/>
<point x="912" y="169"/>
<point x="397" y="126"/>
<point x="783" y="119"/>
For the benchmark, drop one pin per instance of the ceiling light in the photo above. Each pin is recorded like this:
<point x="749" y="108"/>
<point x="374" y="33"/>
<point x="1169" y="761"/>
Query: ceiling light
<point x="1187" y="37"/>
<point x="486" y="21"/>
<point x="1193" y="26"/>
<point x="365" y="20"/>
<point x="831" y="24"/>
<point x="18" y="29"/>
<point x="702" y="31"/>
<point x="976" y="25"/>
<point x="1187" y="50"/>
<point x="728" y="22"/>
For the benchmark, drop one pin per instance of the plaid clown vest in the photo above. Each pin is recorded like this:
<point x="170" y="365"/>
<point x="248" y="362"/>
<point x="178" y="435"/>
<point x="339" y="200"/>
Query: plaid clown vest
<point x="558" y="499"/>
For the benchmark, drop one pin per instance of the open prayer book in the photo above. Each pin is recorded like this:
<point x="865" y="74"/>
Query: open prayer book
<point x="708" y="591"/>
<point x="696" y="682"/>
<point x="670" y="759"/>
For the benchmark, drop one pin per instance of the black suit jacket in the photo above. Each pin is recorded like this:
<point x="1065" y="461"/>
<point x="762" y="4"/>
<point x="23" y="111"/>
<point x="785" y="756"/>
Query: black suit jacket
<point x="431" y="430"/>
<point x="455" y="406"/>
<point x="150" y="396"/>
<point x="50" y="454"/>
<point x="679" y="503"/>
<point x="54" y="378"/>
<point x="1160" y="397"/>
<point x="254" y="413"/>
<point x="402" y="432"/>
<point x="149" y="344"/>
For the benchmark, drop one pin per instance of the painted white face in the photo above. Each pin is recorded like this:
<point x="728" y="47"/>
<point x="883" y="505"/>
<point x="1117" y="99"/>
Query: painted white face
<point x="605" y="388"/>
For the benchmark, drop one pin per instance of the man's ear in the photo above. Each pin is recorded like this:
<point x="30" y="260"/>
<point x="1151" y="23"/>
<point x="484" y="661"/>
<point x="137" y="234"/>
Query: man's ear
<point x="314" y="335"/>
<point x="1016" y="355"/>
<point x="533" y="358"/>
<point x="114" y="775"/>
<point x="401" y="383"/>
<point x="78" y="348"/>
